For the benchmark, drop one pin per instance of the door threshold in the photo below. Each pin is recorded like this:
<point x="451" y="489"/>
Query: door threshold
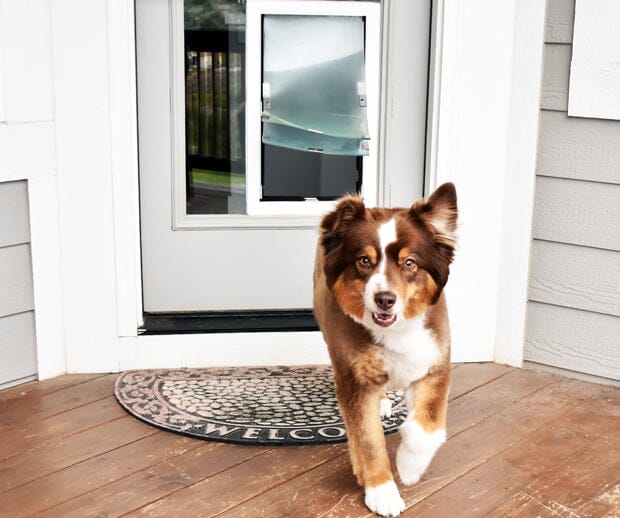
<point x="228" y="322"/>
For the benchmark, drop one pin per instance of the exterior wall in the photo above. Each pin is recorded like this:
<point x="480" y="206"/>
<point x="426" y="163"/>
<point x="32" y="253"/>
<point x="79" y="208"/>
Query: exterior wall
<point x="17" y="334"/>
<point x="29" y="253"/>
<point x="67" y="128"/>
<point x="574" y="293"/>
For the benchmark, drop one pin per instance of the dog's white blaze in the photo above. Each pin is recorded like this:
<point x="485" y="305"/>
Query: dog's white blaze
<point x="387" y="236"/>
<point x="378" y="281"/>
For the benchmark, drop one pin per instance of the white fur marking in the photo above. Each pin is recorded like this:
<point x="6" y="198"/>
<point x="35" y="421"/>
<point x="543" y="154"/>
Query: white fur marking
<point x="416" y="450"/>
<point x="387" y="236"/>
<point x="384" y="499"/>
<point x="409" y="350"/>
<point x="378" y="281"/>
<point x="385" y="407"/>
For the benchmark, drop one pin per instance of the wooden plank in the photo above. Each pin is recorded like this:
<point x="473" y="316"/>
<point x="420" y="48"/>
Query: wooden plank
<point x="37" y="389"/>
<point x="582" y="149"/>
<point x="17" y="348"/>
<point x="535" y="454"/>
<point x="575" y="212"/>
<point x="14" y="222"/>
<point x="470" y="376"/>
<point x="575" y="277"/>
<point x="168" y="477"/>
<point x="142" y="486"/>
<point x="16" y="280"/>
<point x="334" y="488"/>
<point x="572" y="339"/>
<point x="206" y="490"/>
<point x="574" y="484"/>
<point x="491" y="398"/>
<point x="334" y="485"/>
<point x="18" y="412"/>
<point x="83" y="477"/>
<point x="559" y="21"/>
<point x="45" y="431"/>
<point x="26" y="467"/>
<point x="554" y="95"/>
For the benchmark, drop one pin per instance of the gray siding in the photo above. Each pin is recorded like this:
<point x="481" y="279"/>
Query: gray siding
<point x="574" y="296"/>
<point x="17" y="331"/>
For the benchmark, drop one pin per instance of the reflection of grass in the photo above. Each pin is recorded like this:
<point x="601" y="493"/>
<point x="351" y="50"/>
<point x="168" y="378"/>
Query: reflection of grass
<point x="218" y="179"/>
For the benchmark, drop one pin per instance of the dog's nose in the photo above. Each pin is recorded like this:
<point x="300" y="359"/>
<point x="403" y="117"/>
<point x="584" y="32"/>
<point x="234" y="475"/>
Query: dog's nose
<point x="385" y="299"/>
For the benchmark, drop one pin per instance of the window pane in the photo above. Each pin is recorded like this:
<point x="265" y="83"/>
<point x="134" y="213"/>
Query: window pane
<point x="214" y="106"/>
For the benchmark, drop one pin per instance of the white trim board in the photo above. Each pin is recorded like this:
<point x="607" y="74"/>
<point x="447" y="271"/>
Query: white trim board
<point x="595" y="66"/>
<point x="484" y="139"/>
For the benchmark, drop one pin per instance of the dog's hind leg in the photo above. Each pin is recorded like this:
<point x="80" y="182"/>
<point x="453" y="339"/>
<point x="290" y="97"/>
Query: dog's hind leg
<point x="424" y="430"/>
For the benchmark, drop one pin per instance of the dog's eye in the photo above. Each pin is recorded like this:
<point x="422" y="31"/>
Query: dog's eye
<point x="409" y="264"/>
<point x="364" y="261"/>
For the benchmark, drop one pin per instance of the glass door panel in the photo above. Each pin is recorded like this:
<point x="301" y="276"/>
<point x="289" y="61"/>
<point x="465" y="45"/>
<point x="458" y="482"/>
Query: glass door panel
<point x="214" y="51"/>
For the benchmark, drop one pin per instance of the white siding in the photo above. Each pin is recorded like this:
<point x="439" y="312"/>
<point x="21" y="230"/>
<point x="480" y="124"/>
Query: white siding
<point x="573" y="339"/>
<point x="577" y="212"/>
<point x="573" y="313"/>
<point x="575" y="277"/>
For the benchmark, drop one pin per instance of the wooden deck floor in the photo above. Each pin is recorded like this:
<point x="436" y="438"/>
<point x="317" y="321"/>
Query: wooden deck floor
<point x="521" y="443"/>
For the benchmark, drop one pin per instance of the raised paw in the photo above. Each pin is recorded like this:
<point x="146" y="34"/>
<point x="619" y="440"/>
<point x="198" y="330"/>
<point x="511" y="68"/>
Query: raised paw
<point x="416" y="451"/>
<point x="385" y="499"/>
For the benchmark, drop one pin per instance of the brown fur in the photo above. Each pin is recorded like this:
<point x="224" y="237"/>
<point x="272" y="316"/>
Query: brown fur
<point x="417" y="270"/>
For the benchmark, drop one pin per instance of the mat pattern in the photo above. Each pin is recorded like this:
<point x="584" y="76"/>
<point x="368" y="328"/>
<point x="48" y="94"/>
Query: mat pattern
<point x="244" y="405"/>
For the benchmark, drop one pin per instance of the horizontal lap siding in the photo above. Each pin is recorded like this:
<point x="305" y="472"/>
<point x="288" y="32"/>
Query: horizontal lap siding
<point x="17" y="331"/>
<point x="575" y="277"/>
<point x="574" y="296"/>
<point x="573" y="339"/>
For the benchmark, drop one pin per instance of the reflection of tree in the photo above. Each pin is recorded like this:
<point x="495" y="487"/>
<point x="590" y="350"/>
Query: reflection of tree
<point x="210" y="14"/>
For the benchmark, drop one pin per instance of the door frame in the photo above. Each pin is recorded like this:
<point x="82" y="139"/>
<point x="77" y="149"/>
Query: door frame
<point x="95" y="341"/>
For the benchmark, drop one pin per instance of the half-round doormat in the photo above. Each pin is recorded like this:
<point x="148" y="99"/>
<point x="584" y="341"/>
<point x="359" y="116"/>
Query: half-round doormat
<point x="253" y="405"/>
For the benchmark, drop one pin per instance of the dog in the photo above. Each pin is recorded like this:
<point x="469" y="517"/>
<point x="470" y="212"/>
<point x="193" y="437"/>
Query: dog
<point x="379" y="302"/>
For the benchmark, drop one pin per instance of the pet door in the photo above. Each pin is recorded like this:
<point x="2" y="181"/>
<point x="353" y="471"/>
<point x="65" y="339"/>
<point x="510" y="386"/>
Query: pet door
<point x="316" y="103"/>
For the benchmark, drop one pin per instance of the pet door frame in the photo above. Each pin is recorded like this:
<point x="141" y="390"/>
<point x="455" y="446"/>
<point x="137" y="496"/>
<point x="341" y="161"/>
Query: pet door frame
<point x="255" y="10"/>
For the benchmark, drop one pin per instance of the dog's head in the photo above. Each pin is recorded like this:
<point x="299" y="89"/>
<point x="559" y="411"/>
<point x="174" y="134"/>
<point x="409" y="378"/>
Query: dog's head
<point x="385" y="266"/>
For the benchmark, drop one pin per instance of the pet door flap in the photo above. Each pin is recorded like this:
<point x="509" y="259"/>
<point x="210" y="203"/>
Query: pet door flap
<point x="314" y="95"/>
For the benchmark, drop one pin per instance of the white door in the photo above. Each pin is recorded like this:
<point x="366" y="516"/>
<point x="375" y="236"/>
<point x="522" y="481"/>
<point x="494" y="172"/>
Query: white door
<point x="235" y="165"/>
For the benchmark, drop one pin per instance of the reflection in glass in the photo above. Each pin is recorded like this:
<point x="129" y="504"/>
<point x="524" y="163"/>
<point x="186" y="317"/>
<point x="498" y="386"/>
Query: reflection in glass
<point x="215" y="106"/>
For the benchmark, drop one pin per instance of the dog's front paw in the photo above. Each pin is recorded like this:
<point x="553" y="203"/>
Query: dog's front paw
<point x="416" y="451"/>
<point x="384" y="499"/>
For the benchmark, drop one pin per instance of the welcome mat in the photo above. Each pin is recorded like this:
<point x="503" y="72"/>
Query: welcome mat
<point x="244" y="405"/>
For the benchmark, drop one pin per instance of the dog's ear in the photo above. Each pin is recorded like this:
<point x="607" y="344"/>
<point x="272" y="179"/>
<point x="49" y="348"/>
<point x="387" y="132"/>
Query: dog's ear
<point x="440" y="212"/>
<point x="349" y="208"/>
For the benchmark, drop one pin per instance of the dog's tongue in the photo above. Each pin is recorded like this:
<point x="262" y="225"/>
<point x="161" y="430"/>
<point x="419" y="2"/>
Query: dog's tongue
<point x="383" y="319"/>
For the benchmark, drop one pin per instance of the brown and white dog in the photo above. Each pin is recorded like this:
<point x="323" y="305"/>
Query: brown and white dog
<point x="378" y="299"/>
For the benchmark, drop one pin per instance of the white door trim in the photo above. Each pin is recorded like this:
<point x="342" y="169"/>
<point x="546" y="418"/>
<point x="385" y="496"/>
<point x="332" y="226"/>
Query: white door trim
<point x="461" y="29"/>
<point x="484" y="110"/>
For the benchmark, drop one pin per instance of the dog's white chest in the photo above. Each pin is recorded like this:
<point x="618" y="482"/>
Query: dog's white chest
<point x="408" y="354"/>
